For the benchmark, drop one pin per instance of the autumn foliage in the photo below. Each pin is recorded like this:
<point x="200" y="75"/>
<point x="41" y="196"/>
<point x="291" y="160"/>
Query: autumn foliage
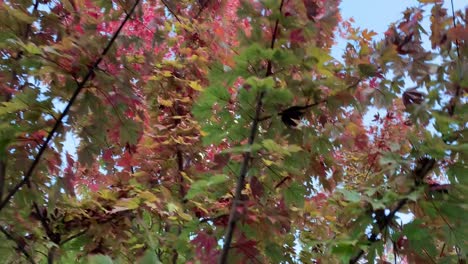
<point x="214" y="131"/>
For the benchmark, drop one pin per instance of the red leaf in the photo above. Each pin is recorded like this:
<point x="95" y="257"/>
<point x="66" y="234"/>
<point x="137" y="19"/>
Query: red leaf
<point x="458" y="33"/>
<point x="126" y="160"/>
<point x="312" y="9"/>
<point x="296" y="36"/>
<point x="246" y="247"/>
<point x="69" y="176"/>
<point x="256" y="187"/>
<point x="107" y="155"/>
<point x="205" y="248"/>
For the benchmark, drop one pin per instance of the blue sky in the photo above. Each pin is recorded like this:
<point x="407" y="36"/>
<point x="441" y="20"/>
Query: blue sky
<point x="378" y="14"/>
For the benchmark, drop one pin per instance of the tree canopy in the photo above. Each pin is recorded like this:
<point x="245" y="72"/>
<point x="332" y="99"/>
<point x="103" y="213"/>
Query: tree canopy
<point x="217" y="131"/>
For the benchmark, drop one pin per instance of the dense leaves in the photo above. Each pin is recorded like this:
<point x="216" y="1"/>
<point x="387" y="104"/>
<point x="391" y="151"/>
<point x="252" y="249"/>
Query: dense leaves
<point x="205" y="131"/>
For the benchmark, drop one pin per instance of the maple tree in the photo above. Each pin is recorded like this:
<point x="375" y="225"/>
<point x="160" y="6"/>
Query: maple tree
<point x="217" y="131"/>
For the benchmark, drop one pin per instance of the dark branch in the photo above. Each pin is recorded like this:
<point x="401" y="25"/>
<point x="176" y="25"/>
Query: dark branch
<point x="20" y="245"/>
<point x="170" y="10"/>
<point x="245" y="164"/>
<point x="74" y="236"/>
<point x="325" y="100"/>
<point x="57" y="125"/>
<point x="423" y="167"/>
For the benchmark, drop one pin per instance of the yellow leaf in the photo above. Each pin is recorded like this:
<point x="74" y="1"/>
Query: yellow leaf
<point x="148" y="196"/>
<point x="140" y="174"/>
<point x="154" y="78"/>
<point x="185" y="100"/>
<point x="128" y="203"/>
<point x="199" y="206"/>
<point x="186" y="176"/>
<point x="196" y="86"/>
<point x="267" y="162"/>
<point x="353" y="129"/>
<point x="185" y="216"/>
<point x="166" y="73"/>
<point x="167" y="103"/>
<point x="108" y="195"/>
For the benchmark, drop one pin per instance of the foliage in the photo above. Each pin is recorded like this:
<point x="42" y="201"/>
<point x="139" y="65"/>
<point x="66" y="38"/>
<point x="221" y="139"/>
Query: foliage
<point x="225" y="131"/>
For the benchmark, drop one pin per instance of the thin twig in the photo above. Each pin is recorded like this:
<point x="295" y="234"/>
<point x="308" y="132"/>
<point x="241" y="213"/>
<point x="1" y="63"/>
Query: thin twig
<point x="28" y="27"/>
<point x="233" y="216"/>
<point x="3" y="159"/>
<point x="458" y="90"/>
<point x="382" y="225"/>
<point x="57" y="125"/>
<point x="421" y="170"/>
<point x="240" y="185"/>
<point x="325" y="100"/>
<point x="170" y="11"/>
<point x="19" y="245"/>
<point x="455" y="25"/>
<point x="202" y="7"/>
<point x="82" y="232"/>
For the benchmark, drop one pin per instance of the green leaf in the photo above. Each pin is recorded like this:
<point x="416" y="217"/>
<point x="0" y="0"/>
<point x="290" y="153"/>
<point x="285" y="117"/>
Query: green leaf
<point x="420" y="238"/>
<point x="367" y="70"/>
<point x="295" y="194"/>
<point x="345" y="251"/>
<point x="99" y="259"/>
<point x="351" y="196"/>
<point x="243" y="149"/>
<point x="130" y="132"/>
<point x="13" y="106"/>
<point x="457" y="173"/>
<point x="274" y="252"/>
<point x="32" y="48"/>
<point x="20" y="15"/>
<point x="125" y="204"/>
<point x="202" y="186"/>
<point x="272" y="146"/>
<point x="277" y="97"/>
<point x="150" y="257"/>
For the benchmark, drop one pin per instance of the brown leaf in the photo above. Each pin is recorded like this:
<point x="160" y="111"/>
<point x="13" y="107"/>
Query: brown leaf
<point x="256" y="187"/>
<point x="312" y="9"/>
<point x="412" y="96"/>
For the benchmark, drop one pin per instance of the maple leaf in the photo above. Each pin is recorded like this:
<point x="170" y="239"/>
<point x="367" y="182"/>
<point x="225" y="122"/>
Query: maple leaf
<point x="206" y="247"/>
<point x="312" y="8"/>
<point x="246" y="247"/>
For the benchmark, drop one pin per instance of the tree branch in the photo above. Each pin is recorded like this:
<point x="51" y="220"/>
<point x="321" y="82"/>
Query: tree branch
<point x="245" y="164"/>
<point x="170" y="11"/>
<point x="3" y="165"/>
<point x="20" y="245"/>
<point x="57" y="125"/>
<point x="424" y="166"/>
<point x="74" y="236"/>
<point x="3" y="160"/>
<point x="325" y="100"/>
